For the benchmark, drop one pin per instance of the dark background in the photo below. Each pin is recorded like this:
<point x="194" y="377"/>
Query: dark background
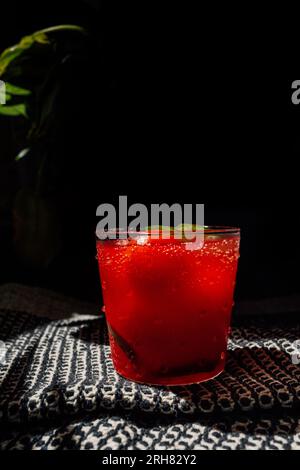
<point x="187" y="109"/>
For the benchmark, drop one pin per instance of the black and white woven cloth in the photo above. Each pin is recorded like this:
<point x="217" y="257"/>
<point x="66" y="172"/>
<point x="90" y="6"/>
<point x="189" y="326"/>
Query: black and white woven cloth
<point x="58" y="387"/>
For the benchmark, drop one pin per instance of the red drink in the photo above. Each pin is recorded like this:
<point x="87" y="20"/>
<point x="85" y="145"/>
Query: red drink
<point x="168" y="309"/>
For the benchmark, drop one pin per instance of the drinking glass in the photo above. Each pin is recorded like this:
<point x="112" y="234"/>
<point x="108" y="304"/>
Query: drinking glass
<point x="168" y="308"/>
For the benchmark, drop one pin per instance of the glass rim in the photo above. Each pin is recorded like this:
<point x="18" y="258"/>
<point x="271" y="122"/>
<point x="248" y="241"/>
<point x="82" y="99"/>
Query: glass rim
<point x="206" y="230"/>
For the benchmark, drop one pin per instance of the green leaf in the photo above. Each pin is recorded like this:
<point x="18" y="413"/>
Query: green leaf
<point x="12" y="53"/>
<point x="178" y="228"/>
<point x="14" y="110"/>
<point x="157" y="228"/>
<point x="39" y="37"/>
<point x="61" y="27"/>
<point x="190" y="228"/>
<point x="22" y="154"/>
<point x="16" y="90"/>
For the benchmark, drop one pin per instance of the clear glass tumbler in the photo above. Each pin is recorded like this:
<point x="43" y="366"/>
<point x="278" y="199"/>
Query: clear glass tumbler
<point x="168" y="308"/>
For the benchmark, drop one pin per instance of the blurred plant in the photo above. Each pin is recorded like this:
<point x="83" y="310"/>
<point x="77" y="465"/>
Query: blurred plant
<point x="31" y="71"/>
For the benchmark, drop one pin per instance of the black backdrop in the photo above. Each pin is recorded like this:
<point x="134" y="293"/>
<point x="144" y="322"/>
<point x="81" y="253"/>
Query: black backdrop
<point x="184" y="113"/>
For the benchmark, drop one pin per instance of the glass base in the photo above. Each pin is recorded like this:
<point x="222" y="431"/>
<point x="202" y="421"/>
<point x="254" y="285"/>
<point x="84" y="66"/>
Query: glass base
<point x="175" y="381"/>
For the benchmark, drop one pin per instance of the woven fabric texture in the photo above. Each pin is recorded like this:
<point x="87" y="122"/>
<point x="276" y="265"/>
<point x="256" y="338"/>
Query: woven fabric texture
<point x="55" y="365"/>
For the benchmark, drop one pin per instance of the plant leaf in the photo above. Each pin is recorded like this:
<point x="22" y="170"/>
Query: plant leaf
<point x="190" y="228"/>
<point x="14" y="110"/>
<point x="39" y="37"/>
<point x="12" y="53"/>
<point x="157" y="228"/>
<point x="22" y="154"/>
<point x="16" y="90"/>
